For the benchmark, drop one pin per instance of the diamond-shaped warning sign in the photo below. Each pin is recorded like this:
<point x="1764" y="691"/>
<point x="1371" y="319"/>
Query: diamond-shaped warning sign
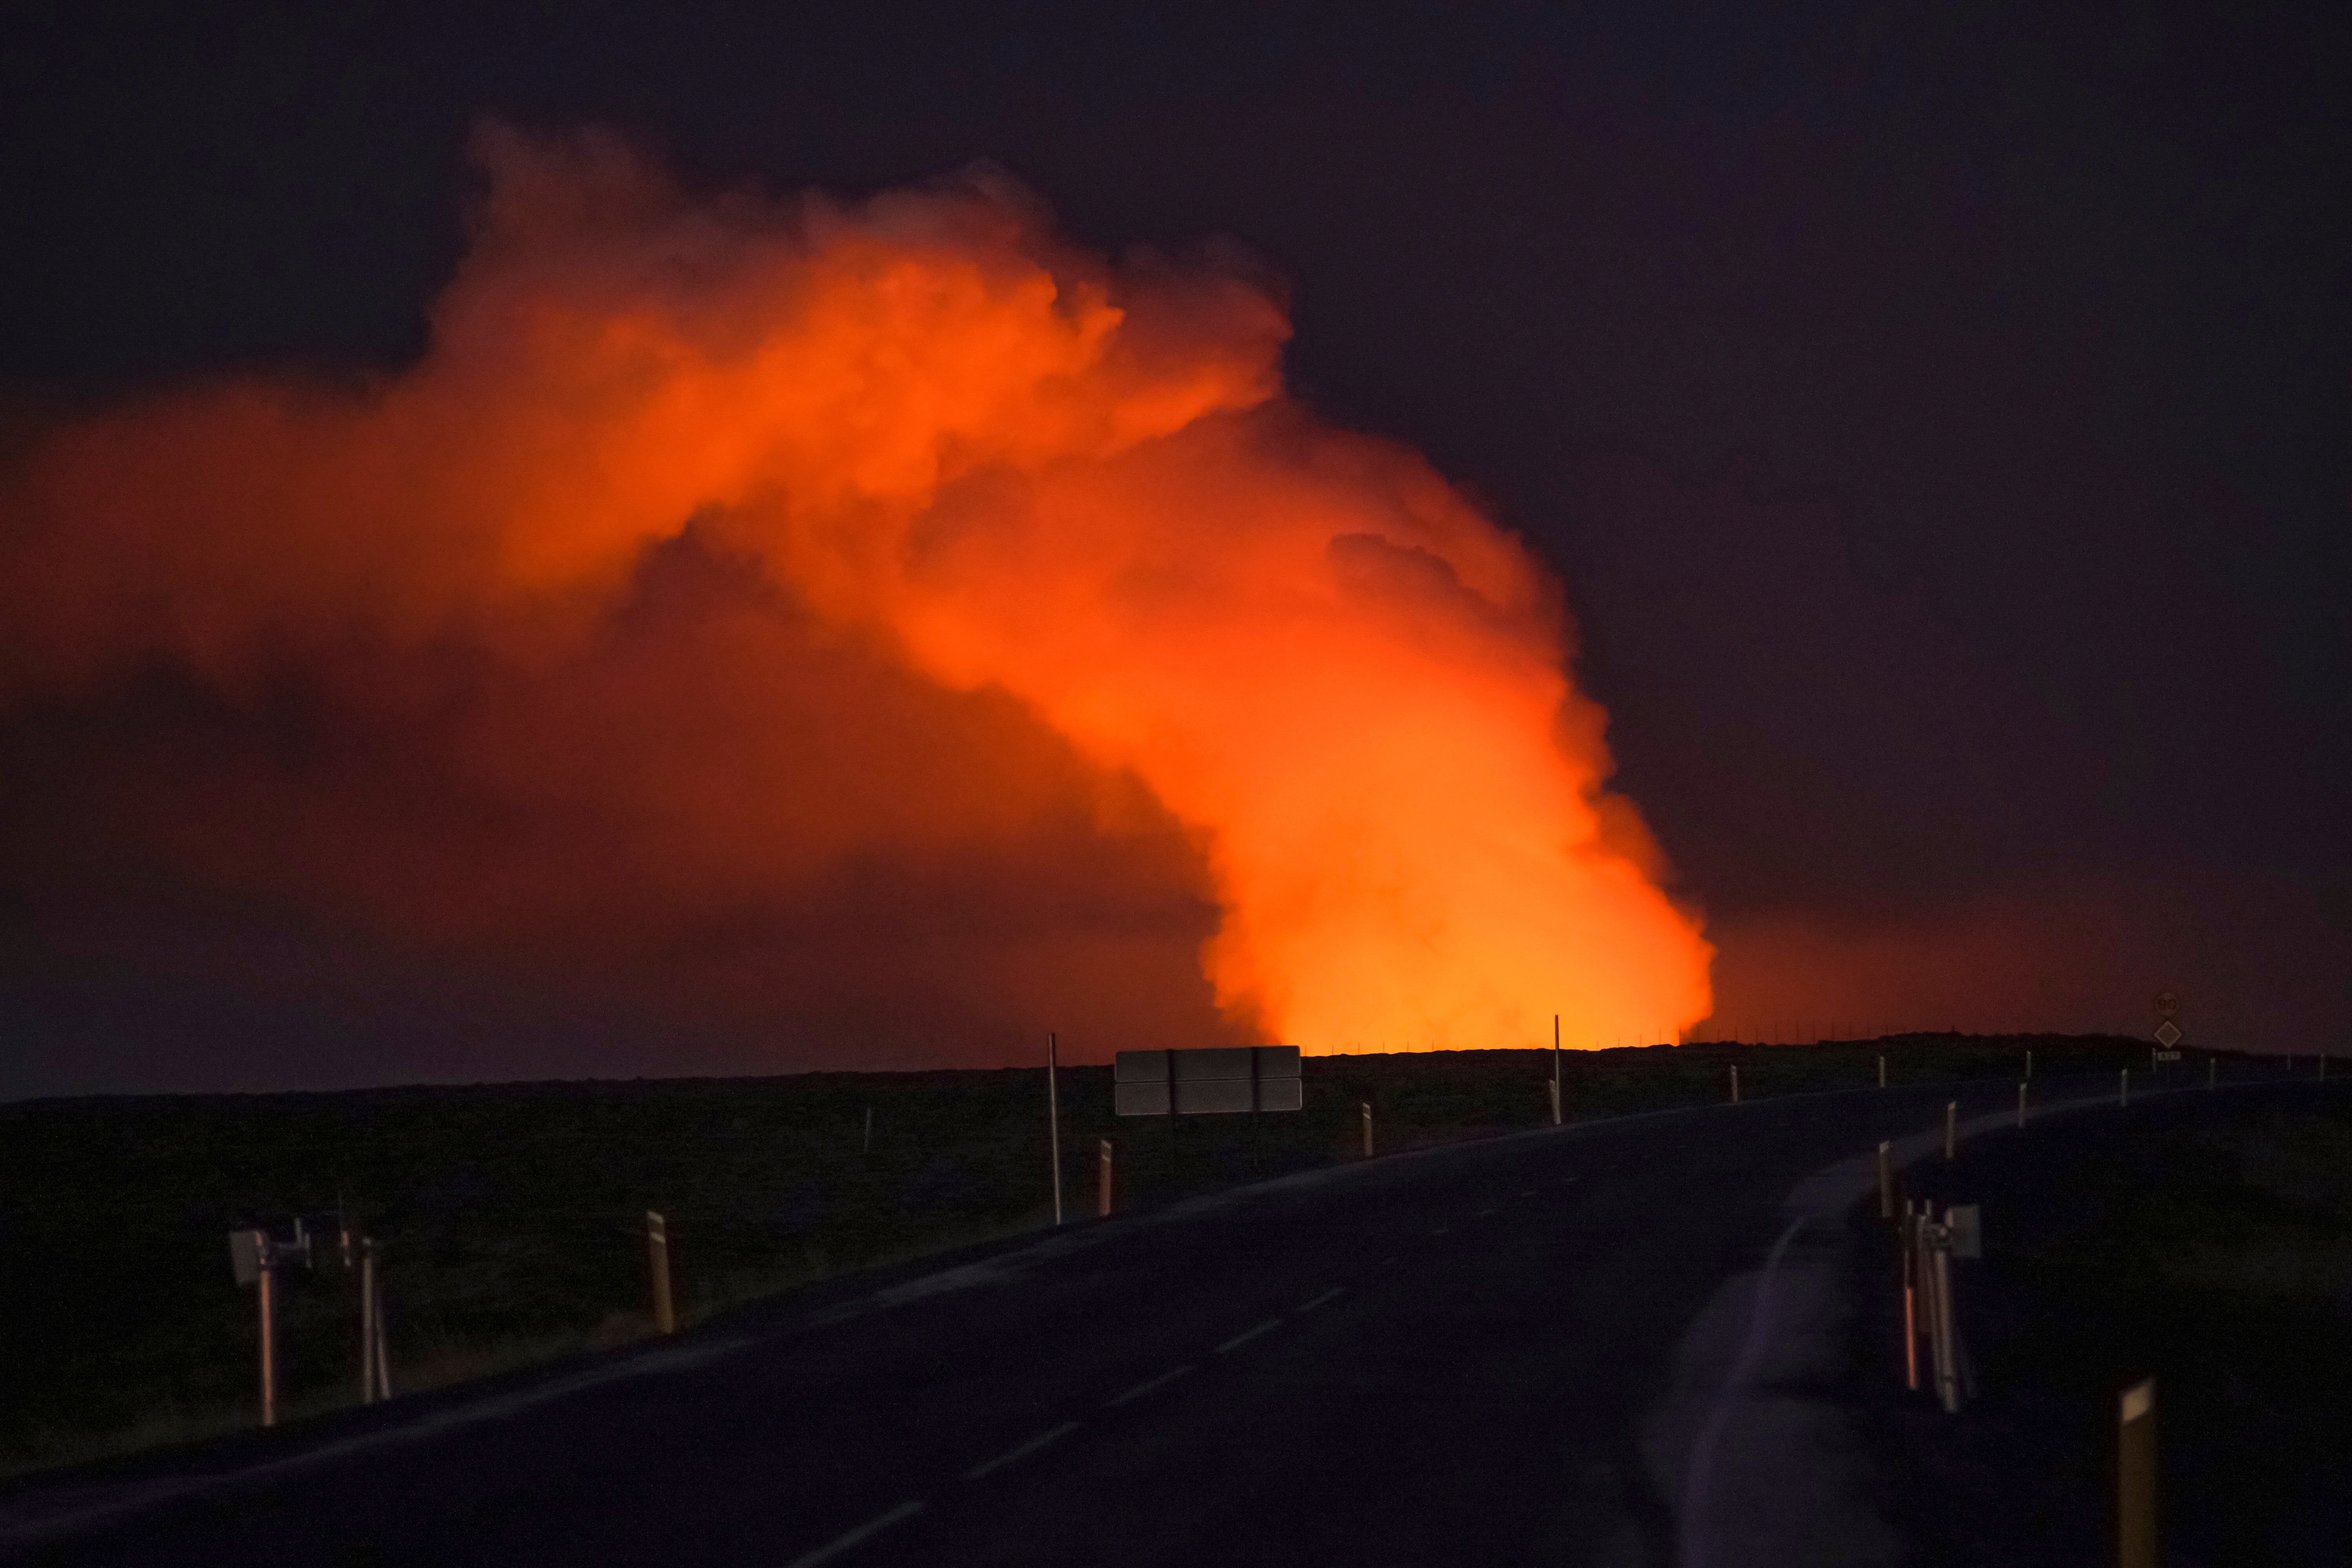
<point x="2166" y="1035"/>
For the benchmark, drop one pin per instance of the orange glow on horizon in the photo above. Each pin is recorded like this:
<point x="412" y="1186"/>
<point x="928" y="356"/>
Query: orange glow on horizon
<point x="1017" y="467"/>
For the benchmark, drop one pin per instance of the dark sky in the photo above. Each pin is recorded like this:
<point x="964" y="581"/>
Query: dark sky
<point x="1939" y="419"/>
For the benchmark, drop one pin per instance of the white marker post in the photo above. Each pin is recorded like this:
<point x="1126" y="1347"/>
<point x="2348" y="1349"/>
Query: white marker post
<point x="2123" y="1088"/>
<point x="1366" y="1107"/>
<point x="1882" y="1072"/>
<point x="867" y="1147"/>
<point x="2029" y="1067"/>
<point x="1951" y="1129"/>
<point x="1102" y="1195"/>
<point x="1886" y="1184"/>
<point x="1735" y="1085"/>
<point x="2136" y="1541"/>
<point x="657" y="1267"/>
<point x="2212" y="1072"/>
<point x="2020" y="1108"/>
<point x="1555" y="1070"/>
<point x="1053" y="1116"/>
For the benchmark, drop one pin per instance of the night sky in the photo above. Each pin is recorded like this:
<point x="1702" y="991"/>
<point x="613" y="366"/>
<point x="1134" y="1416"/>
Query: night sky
<point x="1939" y="420"/>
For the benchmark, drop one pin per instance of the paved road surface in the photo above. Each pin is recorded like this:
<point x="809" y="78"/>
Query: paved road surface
<point x="1458" y="1356"/>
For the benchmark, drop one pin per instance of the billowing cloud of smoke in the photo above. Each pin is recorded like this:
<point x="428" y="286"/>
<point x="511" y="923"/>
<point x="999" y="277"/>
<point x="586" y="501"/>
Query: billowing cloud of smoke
<point x="687" y="489"/>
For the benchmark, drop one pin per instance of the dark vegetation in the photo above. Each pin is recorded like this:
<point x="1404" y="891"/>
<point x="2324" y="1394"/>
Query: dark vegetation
<point x="510" y="1216"/>
<point x="2207" y="1243"/>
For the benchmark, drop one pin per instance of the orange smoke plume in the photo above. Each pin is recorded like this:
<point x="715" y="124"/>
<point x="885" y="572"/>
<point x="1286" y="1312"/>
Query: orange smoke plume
<point x="944" y="432"/>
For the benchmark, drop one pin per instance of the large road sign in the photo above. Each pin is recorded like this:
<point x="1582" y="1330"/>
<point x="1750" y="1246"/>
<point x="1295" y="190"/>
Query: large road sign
<point x="1192" y="1083"/>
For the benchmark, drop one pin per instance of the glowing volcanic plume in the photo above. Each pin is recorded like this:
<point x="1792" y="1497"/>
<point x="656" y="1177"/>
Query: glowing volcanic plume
<point x="1017" y="465"/>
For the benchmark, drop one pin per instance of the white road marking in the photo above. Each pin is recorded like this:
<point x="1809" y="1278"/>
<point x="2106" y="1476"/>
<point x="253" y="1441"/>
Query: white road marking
<point x="1483" y="1212"/>
<point x="841" y="1543"/>
<point x="1238" y="1340"/>
<point x="1335" y="1290"/>
<point x="1022" y="1452"/>
<point x="1140" y="1389"/>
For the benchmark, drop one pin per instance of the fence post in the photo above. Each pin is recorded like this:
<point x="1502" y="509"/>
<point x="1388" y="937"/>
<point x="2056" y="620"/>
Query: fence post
<point x="1102" y="1199"/>
<point x="657" y="1266"/>
<point x="1365" y="1107"/>
<point x="2136" y="1544"/>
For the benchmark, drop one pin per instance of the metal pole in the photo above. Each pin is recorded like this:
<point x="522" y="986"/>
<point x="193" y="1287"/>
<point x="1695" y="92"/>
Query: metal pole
<point x="1102" y="1198"/>
<point x="1555" y="1070"/>
<point x="1053" y="1113"/>
<point x="1366" y="1107"/>
<point x="658" y="1264"/>
<point x="1951" y="1128"/>
<point x="2135" y="1537"/>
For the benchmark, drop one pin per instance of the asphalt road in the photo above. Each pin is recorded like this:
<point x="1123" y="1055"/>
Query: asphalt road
<point x="1454" y="1357"/>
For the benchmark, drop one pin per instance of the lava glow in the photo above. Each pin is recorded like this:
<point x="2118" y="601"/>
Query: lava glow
<point x="1016" y="465"/>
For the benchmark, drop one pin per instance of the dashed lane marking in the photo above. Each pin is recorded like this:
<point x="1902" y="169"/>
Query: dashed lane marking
<point x="1239" y="1339"/>
<point x="1310" y="1306"/>
<point x="841" y="1543"/>
<point x="1012" y="1454"/>
<point x="1153" y="1386"/>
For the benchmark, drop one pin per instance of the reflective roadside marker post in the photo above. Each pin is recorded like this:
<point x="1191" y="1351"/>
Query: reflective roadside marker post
<point x="1054" y="1117"/>
<point x="2020" y="1108"/>
<point x="253" y="1259"/>
<point x="1734" y="1086"/>
<point x="2029" y="1067"/>
<point x="2136" y="1476"/>
<point x="1886" y="1184"/>
<point x="1951" y="1128"/>
<point x="1365" y="1107"/>
<point x="657" y="1267"/>
<point x="2212" y="1072"/>
<point x="867" y="1147"/>
<point x="2123" y="1088"/>
<point x="367" y="1322"/>
<point x="1102" y="1197"/>
<point x="1882" y="1072"/>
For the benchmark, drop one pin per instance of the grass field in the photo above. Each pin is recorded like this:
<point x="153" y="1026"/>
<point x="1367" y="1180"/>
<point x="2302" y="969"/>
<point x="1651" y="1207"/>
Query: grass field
<point x="510" y="1216"/>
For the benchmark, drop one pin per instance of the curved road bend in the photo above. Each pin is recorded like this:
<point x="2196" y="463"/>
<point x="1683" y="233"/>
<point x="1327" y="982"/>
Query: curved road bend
<point x="1444" y="1357"/>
